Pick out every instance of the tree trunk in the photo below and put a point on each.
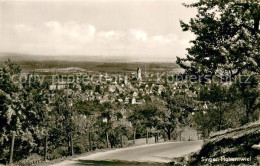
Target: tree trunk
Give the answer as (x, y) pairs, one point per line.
(146, 136)
(220, 121)
(247, 115)
(121, 141)
(89, 141)
(71, 148)
(134, 136)
(68, 145)
(107, 140)
(45, 147)
(169, 134)
(12, 148)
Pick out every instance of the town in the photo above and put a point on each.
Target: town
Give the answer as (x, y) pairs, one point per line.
(149, 82)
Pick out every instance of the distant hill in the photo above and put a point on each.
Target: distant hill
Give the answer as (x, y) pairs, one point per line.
(78, 58)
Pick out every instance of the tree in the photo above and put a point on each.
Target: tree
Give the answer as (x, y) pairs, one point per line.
(37, 111)
(134, 117)
(245, 90)
(145, 118)
(23, 111)
(178, 108)
(12, 114)
(227, 38)
(218, 99)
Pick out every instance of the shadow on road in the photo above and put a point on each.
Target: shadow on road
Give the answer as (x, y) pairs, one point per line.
(119, 163)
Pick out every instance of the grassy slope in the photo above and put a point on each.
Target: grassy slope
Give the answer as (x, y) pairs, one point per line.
(230, 143)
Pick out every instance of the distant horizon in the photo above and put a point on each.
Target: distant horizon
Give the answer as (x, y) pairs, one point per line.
(14, 56)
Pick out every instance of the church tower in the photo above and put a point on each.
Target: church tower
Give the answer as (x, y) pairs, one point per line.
(139, 74)
(125, 79)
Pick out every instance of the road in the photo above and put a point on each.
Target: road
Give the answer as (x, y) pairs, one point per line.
(157, 153)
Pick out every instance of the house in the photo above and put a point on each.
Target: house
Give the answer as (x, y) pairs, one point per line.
(135, 94)
(112, 88)
(120, 100)
(126, 100)
(57, 86)
(133, 101)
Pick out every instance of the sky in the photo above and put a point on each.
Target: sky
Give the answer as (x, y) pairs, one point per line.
(133, 28)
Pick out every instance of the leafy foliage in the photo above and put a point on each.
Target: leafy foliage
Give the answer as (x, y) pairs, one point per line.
(227, 38)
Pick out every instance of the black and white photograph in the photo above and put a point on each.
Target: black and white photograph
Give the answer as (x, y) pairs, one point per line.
(129, 82)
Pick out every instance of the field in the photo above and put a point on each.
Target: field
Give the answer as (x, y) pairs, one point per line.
(30, 63)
